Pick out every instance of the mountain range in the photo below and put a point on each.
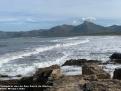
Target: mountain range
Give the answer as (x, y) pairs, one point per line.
(86, 28)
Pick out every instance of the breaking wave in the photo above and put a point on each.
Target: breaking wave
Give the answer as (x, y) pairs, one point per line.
(17, 55)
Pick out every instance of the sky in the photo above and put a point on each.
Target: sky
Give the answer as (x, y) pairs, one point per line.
(24, 15)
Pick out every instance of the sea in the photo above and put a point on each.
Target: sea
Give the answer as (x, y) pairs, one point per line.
(23, 56)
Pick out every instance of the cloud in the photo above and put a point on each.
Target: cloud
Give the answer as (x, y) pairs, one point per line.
(74, 22)
(7, 19)
(89, 19)
(30, 20)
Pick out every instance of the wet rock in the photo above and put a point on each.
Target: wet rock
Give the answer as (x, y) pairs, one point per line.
(79, 62)
(26, 81)
(18, 76)
(4, 76)
(116, 61)
(90, 69)
(115, 57)
(9, 82)
(117, 74)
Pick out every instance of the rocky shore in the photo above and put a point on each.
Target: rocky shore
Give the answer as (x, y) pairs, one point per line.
(93, 77)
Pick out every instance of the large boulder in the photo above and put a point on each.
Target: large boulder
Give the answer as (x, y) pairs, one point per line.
(56, 74)
(79, 62)
(94, 69)
(2, 76)
(42, 74)
(117, 74)
(46, 71)
(116, 57)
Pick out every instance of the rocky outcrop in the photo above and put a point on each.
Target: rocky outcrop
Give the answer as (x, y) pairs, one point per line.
(93, 78)
(115, 57)
(94, 69)
(56, 74)
(117, 74)
(4, 76)
(79, 62)
(103, 85)
(43, 76)
(91, 73)
(9, 82)
(68, 83)
(26, 81)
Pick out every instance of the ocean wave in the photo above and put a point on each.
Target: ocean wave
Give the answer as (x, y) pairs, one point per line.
(58, 61)
(65, 39)
(72, 38)
(17, 55)
(109, 37)
(18, 70)
(26, 70)
(110, 68)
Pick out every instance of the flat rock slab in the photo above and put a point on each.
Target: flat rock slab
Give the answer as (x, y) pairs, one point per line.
(68, 83)
(80, 62)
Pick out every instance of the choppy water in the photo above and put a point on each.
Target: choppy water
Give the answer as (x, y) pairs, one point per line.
(25, 55)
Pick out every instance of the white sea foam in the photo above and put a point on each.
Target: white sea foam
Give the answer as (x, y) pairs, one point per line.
(109, 37)
(13, 56)
(18, 70)
(71, 70)
(29, 70)
(58, 61)
(65, 39)
(73, 38)
(100, 48)
(111, 67)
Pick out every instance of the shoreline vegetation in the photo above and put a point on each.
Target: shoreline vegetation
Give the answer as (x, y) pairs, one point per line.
(93, 78)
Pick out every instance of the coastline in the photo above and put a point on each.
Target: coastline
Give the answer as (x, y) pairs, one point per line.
(92, 76)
